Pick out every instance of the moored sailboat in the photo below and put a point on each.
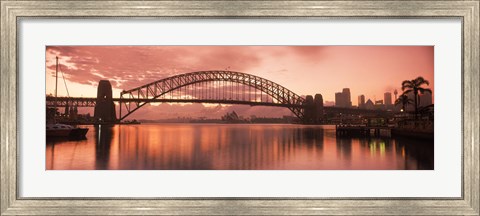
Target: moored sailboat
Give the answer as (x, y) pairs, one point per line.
(63, 130)
(55, 129)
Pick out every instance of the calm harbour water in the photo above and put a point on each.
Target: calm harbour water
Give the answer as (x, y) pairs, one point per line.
(233, 147)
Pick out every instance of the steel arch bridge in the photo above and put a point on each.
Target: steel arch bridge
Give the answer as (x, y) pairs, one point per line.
(219, 86)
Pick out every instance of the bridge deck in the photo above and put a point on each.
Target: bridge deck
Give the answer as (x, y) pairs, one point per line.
(90, 102)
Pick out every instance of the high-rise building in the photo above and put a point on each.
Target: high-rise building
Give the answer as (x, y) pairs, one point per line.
(410, 107)
(361, 101)
(343, 99)
(347, 97)
(387, 98)
(425, 99)
(339, 102)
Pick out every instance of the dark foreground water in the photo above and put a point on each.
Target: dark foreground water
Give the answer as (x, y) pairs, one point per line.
(233, 147)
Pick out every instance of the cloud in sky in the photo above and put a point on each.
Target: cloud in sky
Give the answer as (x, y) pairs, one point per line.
(129, 67)
(368, 70)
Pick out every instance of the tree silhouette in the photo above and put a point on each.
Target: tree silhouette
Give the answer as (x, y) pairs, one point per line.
(415, 86)
(404, 100)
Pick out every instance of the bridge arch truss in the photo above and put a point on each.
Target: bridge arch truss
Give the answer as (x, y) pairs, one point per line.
(191, 85)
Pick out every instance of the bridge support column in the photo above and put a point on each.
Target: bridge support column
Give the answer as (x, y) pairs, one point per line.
(104, 107)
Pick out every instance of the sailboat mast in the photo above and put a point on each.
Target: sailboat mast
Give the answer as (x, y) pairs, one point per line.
(56, 85)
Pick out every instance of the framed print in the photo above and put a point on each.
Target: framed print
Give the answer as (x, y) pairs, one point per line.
(245, 107)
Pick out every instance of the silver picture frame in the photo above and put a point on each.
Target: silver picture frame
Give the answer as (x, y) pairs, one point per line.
(13, 204)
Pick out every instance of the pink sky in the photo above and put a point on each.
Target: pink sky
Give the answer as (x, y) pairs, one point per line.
(368, 70)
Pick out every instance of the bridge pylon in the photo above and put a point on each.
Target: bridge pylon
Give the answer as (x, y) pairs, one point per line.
(319, 114)
(104, 106)
(313, 109)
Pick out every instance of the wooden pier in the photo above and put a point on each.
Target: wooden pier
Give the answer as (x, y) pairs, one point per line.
(362, 131)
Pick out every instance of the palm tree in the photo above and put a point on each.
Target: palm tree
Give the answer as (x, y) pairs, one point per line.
(415, 86)
(404, 100)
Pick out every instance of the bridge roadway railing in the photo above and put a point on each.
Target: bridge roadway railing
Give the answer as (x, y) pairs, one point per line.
(71, 101)
(90, 102)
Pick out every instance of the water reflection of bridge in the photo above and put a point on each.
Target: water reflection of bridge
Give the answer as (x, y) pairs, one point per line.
(235, 147)
(218, 87)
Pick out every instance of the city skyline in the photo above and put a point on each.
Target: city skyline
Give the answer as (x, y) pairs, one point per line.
(343, 100)
(306, 70)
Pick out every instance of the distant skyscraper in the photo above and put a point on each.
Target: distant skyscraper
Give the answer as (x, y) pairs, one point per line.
(425, 99)
(343, 99)
(387, 98)
(346, 95)
(361, 101)
(339, 102)
(411, 107)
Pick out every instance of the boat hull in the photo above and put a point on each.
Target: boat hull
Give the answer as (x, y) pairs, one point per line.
(58, 133)
(65, 131)
(78, 132)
